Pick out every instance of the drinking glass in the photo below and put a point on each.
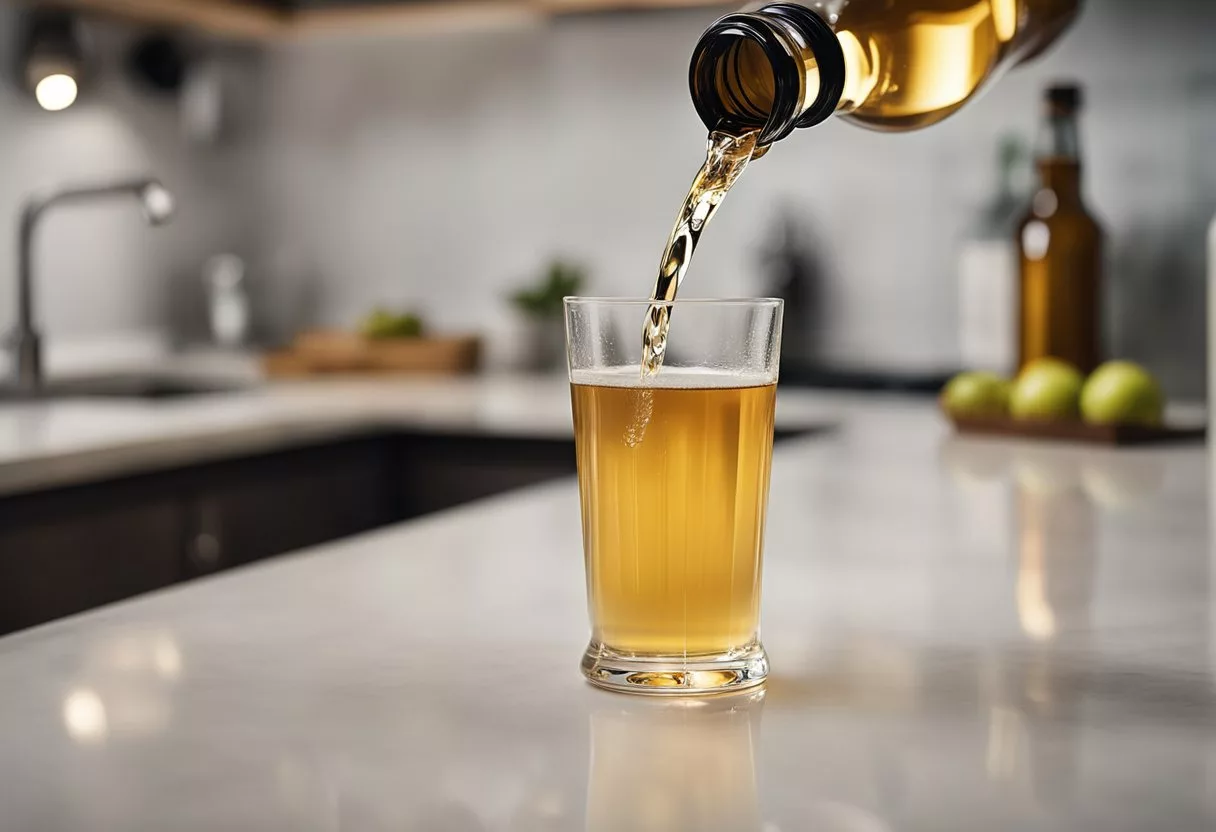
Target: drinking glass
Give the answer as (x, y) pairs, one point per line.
(673, 472)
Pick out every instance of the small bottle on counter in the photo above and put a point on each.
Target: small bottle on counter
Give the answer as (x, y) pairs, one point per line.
(1060, 246)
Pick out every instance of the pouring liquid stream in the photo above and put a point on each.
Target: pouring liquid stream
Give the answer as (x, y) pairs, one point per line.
(726, 157)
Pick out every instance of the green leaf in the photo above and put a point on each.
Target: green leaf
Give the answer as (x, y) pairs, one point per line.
(544, 299)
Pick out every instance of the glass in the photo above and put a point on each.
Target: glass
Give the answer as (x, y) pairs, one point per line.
(673, 475)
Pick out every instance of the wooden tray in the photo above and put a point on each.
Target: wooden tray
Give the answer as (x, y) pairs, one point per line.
(1074, 430)
(322, 352)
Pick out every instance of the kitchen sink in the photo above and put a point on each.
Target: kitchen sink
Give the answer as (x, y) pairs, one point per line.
(142, 387)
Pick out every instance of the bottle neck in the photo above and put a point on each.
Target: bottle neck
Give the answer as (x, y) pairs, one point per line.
(1058, 136)
(1058, 155)
(769, 70)
(1063, 176)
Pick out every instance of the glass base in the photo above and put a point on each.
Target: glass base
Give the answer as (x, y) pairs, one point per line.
(675, 675)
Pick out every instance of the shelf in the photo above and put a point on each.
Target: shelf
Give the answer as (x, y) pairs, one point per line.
(266, 20)
(222, 18)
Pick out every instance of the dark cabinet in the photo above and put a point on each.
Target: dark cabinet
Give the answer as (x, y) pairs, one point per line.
(70, 549)
(60, 555)
(251, 509)
(437, 472)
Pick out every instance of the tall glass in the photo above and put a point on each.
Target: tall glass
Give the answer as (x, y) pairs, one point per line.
(673, 474)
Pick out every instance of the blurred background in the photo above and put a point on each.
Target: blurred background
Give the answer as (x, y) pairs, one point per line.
(440, 161)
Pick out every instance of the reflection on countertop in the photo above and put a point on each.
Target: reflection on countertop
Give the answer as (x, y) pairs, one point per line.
(675, 765)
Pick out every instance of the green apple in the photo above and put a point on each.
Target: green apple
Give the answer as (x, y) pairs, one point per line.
(976, 394)
(1047, 388)
(1122, 393)
(382, 323)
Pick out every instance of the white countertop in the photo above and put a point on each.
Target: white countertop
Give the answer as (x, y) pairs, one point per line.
(964, 634)
(61, 442)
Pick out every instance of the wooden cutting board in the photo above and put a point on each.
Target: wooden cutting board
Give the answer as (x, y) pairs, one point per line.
(1074, 430)
(325, 352)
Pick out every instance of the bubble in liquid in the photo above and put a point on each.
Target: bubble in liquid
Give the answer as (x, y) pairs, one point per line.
(643, 410)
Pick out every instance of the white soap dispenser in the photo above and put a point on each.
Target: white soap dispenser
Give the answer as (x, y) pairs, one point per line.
(224, 276)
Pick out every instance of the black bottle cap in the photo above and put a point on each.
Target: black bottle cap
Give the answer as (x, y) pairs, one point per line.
(828, 54)
(770, 29)
(1065, 96)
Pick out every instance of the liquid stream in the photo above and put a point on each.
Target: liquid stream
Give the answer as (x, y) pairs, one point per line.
(726, 157)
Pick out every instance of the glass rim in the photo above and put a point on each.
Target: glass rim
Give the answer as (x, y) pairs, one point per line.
(576, 300)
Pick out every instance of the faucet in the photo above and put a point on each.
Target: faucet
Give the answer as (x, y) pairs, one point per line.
(25, 341)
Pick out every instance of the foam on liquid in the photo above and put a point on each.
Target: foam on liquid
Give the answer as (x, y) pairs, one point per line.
(672, 378)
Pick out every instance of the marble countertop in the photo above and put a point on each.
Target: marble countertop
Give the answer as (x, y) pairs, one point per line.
(964, 634)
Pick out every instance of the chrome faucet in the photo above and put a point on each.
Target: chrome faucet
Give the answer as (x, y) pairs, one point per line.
(25, 340)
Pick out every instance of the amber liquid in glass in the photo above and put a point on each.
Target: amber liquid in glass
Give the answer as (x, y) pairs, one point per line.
(674, 483)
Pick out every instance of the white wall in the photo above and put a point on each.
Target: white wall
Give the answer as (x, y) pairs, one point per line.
(441, 171)
(99, 268)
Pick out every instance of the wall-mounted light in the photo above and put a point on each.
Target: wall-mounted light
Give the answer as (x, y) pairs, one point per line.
(51, 59)
(57, 91)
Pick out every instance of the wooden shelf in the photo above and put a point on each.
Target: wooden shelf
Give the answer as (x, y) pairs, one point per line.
(411, 17)
(223, 18)
(262, 21)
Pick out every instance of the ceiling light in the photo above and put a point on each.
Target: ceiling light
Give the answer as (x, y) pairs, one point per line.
(56, 92)
(52, 60)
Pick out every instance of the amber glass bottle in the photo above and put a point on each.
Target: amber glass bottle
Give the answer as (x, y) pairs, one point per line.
(1060, 247)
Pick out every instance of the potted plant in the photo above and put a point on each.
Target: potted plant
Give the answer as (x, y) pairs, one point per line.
(541, 306)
